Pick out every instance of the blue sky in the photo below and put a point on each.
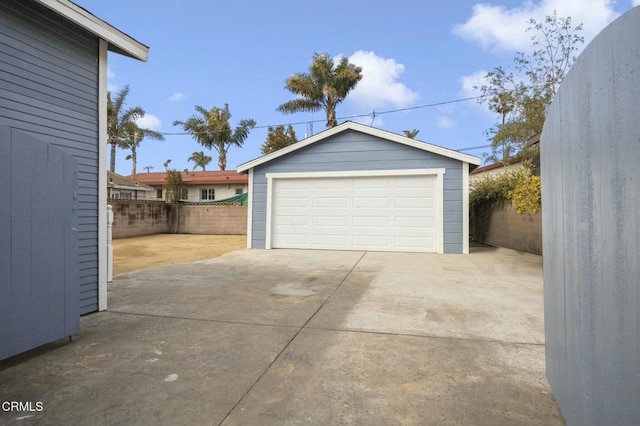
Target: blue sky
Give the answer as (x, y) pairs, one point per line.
(413, 53)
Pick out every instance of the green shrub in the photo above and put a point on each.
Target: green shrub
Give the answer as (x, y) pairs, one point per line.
(519, 187)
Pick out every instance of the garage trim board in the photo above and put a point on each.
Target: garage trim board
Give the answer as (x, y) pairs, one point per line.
(416, 228)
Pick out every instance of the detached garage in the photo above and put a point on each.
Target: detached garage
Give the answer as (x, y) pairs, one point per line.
(355, 187)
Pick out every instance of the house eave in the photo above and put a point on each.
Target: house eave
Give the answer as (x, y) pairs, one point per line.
(118, 41)
(350, 125)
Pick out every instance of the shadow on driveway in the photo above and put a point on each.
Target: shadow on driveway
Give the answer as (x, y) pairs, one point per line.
(303, 337)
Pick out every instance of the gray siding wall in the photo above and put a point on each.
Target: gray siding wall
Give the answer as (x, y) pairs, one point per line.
(351, 150)
(591, 196)
(49, 88)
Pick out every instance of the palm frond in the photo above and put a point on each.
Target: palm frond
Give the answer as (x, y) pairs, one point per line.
(300, 105)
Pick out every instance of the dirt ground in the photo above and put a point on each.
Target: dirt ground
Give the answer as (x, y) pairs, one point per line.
(130, 254)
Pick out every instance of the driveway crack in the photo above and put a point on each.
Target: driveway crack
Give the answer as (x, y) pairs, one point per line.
(277, 357)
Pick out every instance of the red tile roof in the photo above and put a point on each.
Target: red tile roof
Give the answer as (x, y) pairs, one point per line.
(497, 165)
(216, 177)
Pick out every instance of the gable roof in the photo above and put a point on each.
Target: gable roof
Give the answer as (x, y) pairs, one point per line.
(350, 125)
(118, 41)
(215, 177)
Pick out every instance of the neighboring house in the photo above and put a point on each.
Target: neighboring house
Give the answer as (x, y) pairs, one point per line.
(199, 186)
(53, 99)
(125, 188)
(354, 187)
(532, 147)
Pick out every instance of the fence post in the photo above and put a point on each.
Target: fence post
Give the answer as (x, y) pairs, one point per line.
(109, 245)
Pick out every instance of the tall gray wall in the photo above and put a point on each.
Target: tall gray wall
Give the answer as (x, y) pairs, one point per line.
(352, 150)
(49, 89)
(590, 156)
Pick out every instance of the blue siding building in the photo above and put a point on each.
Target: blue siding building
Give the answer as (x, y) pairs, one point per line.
(52, 168)
(354, 187)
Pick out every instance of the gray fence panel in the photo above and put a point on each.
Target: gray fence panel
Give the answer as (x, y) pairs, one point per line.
(39, 261)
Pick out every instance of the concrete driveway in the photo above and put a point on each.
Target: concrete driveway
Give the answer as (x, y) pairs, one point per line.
(293, 337)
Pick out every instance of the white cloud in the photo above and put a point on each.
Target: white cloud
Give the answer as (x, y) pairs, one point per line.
(445, 122)
(635, 3)
(503, 29)
(379, 85)
(149, 121)
(111, 86)
(176, 96)
(468, 83)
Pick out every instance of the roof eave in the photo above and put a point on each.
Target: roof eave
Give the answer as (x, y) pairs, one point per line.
(349, 125)
(118, 41)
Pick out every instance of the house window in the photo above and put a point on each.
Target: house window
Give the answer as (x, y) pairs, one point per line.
(159, 193)
(208, 194)
(184, 194)
(239, 191)
(125, 195)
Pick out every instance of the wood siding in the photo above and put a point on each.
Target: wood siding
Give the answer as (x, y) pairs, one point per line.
(351, 151)
(39, 300)
(49, 88)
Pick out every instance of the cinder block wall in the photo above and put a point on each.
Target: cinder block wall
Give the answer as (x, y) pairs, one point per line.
(212, 219)
(516, 231)
(134, 218)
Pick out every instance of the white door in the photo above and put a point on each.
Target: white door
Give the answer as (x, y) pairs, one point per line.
(378, 213)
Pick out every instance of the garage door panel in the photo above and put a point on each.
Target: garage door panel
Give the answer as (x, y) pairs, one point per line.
(386, 213)
(414, 201)
(330, 240)
(409, 243)
(371, 242)
(329, 183)
(293, 202)
(330, 230)
(291, 220)
(414, 222)
(369, 202)
(292, 240)
(294, 184)
(371, 221)
(330, 220)
(330, 202)
(372, 183)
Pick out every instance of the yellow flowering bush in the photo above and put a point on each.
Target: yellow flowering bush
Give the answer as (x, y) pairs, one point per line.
(518, 186)
(526, 195)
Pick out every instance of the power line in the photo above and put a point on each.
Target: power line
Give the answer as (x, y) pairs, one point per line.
(471, 148)
(372, 114)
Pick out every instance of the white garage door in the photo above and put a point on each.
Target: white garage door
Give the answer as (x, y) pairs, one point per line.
(380, 213)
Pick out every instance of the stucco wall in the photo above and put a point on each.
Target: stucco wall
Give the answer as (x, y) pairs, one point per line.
(507, 228)
(591, 232)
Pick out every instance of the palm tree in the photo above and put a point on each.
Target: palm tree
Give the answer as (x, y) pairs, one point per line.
(211, 129)
(118, 118)
(323, 87)
(200, 160)
(411, 134)
(132, 136)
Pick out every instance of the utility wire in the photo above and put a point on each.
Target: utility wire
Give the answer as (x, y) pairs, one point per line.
(372, 114)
